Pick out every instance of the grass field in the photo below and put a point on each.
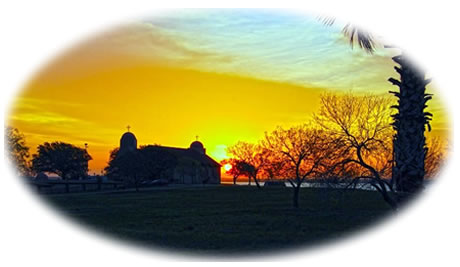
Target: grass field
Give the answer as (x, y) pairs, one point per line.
(225, 219)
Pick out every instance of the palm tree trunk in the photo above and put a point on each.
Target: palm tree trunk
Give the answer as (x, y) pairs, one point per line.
(409, 123)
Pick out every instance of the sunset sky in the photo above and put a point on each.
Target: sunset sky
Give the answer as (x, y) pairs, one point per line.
(224, 75)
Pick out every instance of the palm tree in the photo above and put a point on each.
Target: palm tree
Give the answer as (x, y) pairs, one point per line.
(411, 119)
(410, 123)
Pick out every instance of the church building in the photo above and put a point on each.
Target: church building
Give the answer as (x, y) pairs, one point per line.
(193, 166)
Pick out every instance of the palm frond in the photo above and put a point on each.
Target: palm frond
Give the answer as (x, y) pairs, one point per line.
(326, 20)
(363, 38)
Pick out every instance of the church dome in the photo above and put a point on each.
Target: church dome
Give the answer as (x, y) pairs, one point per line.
(128, 142)
(128, 136)
(197, 146)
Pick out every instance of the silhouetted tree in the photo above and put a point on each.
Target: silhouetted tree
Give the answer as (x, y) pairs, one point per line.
(237, 169)
(363, 124)
(114, 153)
(277, 166)
(410, 123)
(65, 160)
(143, 164)
(111, 169)
(127, 167)
(17, 151)
(437, 150)
(253, 158)
(304, 147)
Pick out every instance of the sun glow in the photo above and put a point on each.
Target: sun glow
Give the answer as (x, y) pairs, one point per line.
(227, 167)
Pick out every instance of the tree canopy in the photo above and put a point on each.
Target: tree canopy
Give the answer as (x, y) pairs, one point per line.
(63, 159)
(304, 149)
(250, 159)
(363, 123)
(146, 163)
(17, 151)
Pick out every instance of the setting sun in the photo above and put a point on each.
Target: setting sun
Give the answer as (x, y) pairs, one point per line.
(227, 167)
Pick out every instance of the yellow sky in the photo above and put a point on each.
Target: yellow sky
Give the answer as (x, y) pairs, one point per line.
(163, 105)
(169, 91)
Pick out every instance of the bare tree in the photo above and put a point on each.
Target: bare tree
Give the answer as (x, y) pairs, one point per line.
(411, 120)
(437, 152)
(238, 168)
(252, 157)
(304, 147)
(277, 166)
(363, 124)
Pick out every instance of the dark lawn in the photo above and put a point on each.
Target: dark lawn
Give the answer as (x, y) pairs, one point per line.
(225, 219)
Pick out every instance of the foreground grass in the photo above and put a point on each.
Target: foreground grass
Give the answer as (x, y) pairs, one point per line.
(225, 219)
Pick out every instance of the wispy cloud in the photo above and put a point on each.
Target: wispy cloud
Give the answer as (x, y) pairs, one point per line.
(276, 46)
(35, 119)
(31, 103)
(149, 41)
(43, 117)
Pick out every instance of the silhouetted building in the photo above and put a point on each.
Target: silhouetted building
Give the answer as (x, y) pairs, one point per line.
(193, 165)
